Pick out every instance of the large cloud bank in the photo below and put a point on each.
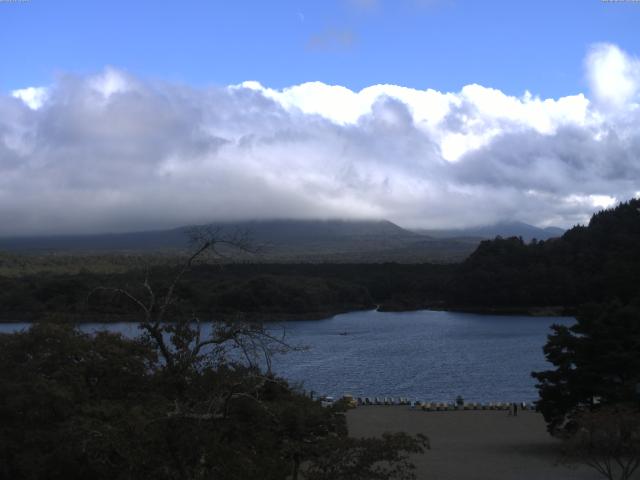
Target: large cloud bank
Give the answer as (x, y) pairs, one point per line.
(111, 152)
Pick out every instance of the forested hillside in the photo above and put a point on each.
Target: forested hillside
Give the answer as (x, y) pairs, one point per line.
(588, 263)
(591, 263)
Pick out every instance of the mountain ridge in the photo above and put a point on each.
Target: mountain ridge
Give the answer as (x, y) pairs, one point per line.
(281, 240)
(500, 229)
(272, 231)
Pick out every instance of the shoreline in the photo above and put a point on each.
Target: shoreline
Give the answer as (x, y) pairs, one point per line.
(533, 311)
(550, 311)
(134, 318)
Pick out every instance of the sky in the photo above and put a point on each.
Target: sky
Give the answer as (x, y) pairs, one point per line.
(120, 116)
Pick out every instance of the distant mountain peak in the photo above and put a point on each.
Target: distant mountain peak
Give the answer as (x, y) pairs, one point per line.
(504, 228)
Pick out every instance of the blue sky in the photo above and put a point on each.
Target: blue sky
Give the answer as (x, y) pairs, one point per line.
(442, 44)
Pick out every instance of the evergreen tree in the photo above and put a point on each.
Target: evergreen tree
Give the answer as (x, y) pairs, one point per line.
(597, 363)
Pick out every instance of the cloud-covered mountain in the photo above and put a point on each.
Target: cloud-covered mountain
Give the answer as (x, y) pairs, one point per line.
(275, 235)
(273, 240)
(112, 152)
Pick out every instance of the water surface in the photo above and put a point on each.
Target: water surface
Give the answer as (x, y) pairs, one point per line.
(423, 355)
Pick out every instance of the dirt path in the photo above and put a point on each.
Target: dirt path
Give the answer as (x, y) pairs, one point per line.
(473, 445)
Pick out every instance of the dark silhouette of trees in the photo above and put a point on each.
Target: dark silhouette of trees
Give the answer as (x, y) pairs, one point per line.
(597, 362)
(592, 397)
(607, 440)
(596, 263)
(172, 403)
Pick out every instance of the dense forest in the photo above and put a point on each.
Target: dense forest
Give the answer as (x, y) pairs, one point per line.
(272, 290)
(592, 263)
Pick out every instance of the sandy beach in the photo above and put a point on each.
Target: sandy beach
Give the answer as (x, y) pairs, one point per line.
(473, 445)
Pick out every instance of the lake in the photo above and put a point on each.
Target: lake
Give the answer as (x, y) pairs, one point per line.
(423, 355)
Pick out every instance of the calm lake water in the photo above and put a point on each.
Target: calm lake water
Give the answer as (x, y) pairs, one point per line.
(423, 355)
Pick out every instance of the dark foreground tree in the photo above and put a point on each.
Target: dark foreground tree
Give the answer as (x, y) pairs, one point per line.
(74, 405)
(366, 459)
(607, 440)
(172, 404)
(597, 362)
(592, 397)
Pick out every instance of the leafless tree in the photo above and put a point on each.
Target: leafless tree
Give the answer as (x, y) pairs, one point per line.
(179, 341)
(607, 440)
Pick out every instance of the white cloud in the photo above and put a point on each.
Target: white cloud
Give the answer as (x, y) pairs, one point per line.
(614, 75)
(110, 82)
(34, 97)
(480, 113)
(113, 152)
(602, 201)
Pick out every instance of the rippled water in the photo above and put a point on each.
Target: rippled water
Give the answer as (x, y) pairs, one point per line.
(423, 355)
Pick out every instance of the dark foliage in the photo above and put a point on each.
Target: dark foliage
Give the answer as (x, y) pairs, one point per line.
(295, 290)
(77, 406)
(608, 440)
(597, 363)
(366, 459)
(596, 263)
